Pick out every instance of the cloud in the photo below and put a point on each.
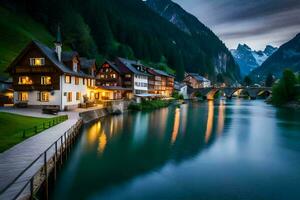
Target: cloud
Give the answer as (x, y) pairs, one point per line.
(239, 21)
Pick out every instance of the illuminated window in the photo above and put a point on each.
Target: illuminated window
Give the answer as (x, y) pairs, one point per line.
(102, 76)
(78, 95)
(128, 75)
(46, 80)
(37, 61)
(83, 81)
(114, 76)
(25, 80)
(68, 79)
(43, 96)
(69, 97)
(97, 95)
(76, 81)
(23, 96)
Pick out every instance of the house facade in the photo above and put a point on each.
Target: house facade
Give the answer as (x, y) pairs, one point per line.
(116, 82)
(127, 79)
(160, 82)
(136, 75)
(196, 81)
(43, 76)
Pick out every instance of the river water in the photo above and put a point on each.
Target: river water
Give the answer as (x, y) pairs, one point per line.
(227, 149)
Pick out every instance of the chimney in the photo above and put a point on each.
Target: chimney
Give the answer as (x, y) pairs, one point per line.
(58, 44)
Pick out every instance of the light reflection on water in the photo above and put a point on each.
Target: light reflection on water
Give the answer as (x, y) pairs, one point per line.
(246, 149)
(176, 125)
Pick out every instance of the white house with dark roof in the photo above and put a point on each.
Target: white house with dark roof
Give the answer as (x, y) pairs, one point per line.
(138, 72)
(44, 77)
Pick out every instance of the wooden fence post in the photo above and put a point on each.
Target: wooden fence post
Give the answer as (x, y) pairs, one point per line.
(46, 175)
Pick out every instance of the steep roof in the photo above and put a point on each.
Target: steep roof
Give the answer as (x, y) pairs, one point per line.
(51, 55)
(130, 64)
(86, 63)
(68, 55)
(198, 77)
(163, 73)
(114, 66)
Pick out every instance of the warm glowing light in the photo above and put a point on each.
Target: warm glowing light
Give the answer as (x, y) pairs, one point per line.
(176, 125)
(38, 62)
(25, 80)
(93, 132)
(221, 117)
(102, 142)
(210, 121)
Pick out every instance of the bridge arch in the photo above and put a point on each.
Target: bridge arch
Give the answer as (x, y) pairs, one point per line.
(255, 92)
(210, 93)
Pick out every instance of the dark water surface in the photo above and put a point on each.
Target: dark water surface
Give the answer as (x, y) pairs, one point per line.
(231, 150)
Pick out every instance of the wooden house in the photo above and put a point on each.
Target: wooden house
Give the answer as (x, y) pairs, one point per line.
(196, 81)
(43, 76)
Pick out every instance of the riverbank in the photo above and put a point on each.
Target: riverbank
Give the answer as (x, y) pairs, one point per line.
(292, 105)
(150, 105)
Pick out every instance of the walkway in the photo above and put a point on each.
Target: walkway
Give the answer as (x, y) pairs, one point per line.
(16, 159)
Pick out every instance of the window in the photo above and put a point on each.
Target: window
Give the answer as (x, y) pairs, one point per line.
(89, 82)
(23, 96)
(69, 97)
(75, 66)
(45, 80)
(128, 75)
(76, 81)
(97, 95)
(114, 76)
(83, 81)
(37, 61)
(43, 96)
(68, 79)
(78, 95)
(102, 76)
(25, 80)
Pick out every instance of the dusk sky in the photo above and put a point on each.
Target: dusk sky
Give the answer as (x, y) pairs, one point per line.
(254, 22)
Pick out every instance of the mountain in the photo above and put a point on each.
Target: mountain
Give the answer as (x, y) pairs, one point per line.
(222, 60)
(108, 28)
(287, 56)
(16, 31)
(249, 59)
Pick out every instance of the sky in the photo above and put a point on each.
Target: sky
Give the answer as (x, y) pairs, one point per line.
(256, 23)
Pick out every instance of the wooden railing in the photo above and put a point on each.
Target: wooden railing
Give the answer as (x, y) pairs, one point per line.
(43, 126)
(43, 164)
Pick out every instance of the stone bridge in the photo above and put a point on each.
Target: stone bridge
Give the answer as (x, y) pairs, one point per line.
(253, 92)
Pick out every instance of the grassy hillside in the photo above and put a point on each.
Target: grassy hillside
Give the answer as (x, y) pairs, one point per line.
(16, 31)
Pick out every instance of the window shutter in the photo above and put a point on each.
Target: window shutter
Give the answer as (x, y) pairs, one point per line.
(39, 96)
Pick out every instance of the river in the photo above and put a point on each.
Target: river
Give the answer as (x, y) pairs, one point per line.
(227, 149)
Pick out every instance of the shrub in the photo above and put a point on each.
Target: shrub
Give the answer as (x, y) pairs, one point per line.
(149, 105)
(284, 91)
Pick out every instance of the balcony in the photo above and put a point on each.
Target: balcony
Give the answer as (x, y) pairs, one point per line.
(34, 70)
(33, 87)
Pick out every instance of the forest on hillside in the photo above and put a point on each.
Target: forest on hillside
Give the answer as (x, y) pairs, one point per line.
(109, 28)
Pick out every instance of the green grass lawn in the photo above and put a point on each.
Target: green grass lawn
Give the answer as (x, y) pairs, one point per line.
(11, 127)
